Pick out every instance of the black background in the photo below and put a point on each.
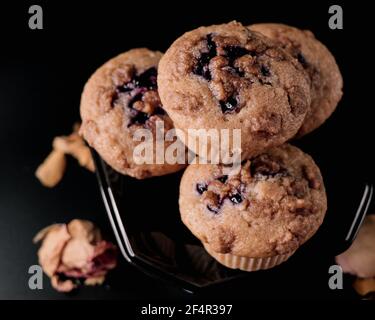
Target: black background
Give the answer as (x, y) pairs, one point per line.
(42, 73)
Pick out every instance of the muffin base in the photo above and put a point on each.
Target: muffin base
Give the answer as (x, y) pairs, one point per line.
(248, 264)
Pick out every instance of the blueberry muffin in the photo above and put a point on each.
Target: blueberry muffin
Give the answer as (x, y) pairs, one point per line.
(258, 217)
(120, 98)
(228, 77)
(321, 68)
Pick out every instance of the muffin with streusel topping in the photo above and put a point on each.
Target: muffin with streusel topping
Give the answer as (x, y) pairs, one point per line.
(120, 101)
(229, 77)
(258, 217)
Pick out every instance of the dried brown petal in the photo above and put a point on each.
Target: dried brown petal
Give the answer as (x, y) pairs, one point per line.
(364, 286)
(83, 155)
(75, 146)
(359, 259)
(51, 171)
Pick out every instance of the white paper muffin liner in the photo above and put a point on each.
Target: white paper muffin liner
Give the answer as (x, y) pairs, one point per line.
(246, 263)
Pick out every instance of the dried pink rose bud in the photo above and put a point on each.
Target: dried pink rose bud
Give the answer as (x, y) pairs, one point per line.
(74, 252)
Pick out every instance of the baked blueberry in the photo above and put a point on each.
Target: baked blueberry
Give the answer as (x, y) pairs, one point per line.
(201, 67)
(133, 93)
(229, 105)
(201, 187)
(223, 178)
(235, 198)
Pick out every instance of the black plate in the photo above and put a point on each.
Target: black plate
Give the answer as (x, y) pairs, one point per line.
(152, 237)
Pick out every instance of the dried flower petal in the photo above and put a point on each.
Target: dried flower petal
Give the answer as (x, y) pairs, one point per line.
(42, 233)
(62, 285)
(84, 229)
(76, 148)
(359, 259)
(51, 171)
(75, 251)
(364, 286)
(76, 254)
(52, 248)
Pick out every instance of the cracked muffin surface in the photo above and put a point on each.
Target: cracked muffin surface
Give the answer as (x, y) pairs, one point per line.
(275, 203)
(228, 77)
(120, 98)
(323, 73)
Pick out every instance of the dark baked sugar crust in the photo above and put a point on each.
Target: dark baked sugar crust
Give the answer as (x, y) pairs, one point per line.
(272, 206)
(226, 76)
(320, 66)
(119, 98)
